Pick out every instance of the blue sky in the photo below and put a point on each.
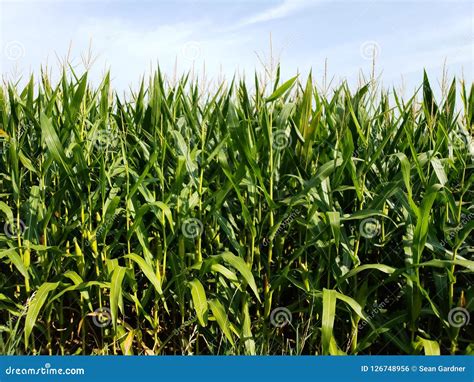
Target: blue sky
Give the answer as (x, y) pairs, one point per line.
(228, 37)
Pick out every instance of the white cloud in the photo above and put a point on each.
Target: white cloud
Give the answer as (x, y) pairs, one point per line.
(284, 9)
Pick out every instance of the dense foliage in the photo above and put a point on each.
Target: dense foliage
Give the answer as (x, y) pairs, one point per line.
(276, 220)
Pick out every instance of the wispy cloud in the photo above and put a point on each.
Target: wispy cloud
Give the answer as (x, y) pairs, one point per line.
(284, 9)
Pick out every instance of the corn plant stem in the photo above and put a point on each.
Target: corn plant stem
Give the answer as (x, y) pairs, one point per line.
(452, 281)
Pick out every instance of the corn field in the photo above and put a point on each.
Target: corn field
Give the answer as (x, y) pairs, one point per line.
(257, 218)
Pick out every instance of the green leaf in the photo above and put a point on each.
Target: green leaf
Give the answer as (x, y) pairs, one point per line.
(35, 307)
(78, 96)
(199, 301)
(380, 267)
(77, 280)
(439, 170)
(116, 292)
(226, 272)
(7, 211)
(329, 313)
(246, 329)
(282, 89)
(221, 317)
(464, 233)
(422, 224)
(335, 223)
(430, 347)
(147, 271)
(355, 306)
(16, 261)
(239, 264)
(54, 145)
